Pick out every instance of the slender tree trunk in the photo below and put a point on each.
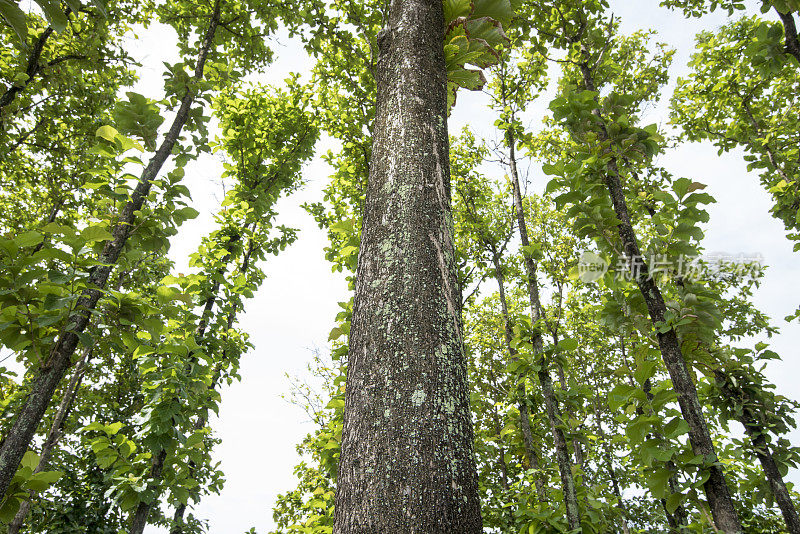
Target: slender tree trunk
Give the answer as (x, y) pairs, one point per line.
(716, 488)
(501, 456)
(524, 412)
(407, 461)
(790, 32)
(757, 435)
(31, 68)
(53, 436)
(679, 519)
(545, 380)
(202, 420)
(142, 513)
(612, 472)
(55, 367)
(562, 380)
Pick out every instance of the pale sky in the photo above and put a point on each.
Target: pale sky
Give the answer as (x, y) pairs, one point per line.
(295, 309)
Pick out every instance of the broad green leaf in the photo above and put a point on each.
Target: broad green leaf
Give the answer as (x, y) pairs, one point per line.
(499, 10)
(568, 345)
(15, 18)
(30, 460)
(55, 15)
(472, 80)
(109, 133)
(95, 233)
(454, 9)
(28, 239)
(673, 501)
(185, 214)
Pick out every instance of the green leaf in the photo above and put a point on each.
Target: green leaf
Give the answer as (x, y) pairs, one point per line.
(21, 78)
(645, 371)
(140, 117)
(15, 18)
(9, 509)
(487, 30)
(499, 10)
(568, 344)
(195, 439)
(454, 9)
(109, 133)
(28, 239)
(113, 428)
(335, 403)
(30, 460)
(673, 501)
(101, 6)
(55, 15)
(96, 233)
(41, 481)
(472, 80)
(185, 214)
(658, 482)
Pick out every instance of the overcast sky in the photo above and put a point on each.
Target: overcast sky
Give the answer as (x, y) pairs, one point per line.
(294, 311)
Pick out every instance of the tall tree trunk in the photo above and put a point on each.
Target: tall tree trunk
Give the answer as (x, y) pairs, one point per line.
(524, 412)
(142, 513)
(606, 453)
(676, 521)
(716, 488)
(407, 462)
(55, 433)
(562, 380)
(202, 420)
(790, 32)
(545, 380)
(757, 435)
(60, 358)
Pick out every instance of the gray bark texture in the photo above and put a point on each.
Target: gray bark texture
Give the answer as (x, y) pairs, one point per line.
(545, 380)
(758, 437)
(790, 33)
(53, 436)
(524, 412)
(59, 360)
(716, 489)
(407, 462)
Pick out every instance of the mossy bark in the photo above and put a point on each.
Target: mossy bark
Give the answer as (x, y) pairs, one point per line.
(407, 462)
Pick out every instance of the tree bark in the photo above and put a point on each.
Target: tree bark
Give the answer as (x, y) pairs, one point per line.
(55, 433)
(31, 68)
(576, 445)
(60, 358)
(407, 462)
(757, 435)
(142, 513)
(524, 413)
(716, 488)
(612, 472)
(545, 380)
(790, 32)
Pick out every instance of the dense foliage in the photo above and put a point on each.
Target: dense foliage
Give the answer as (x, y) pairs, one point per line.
(615, 383)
